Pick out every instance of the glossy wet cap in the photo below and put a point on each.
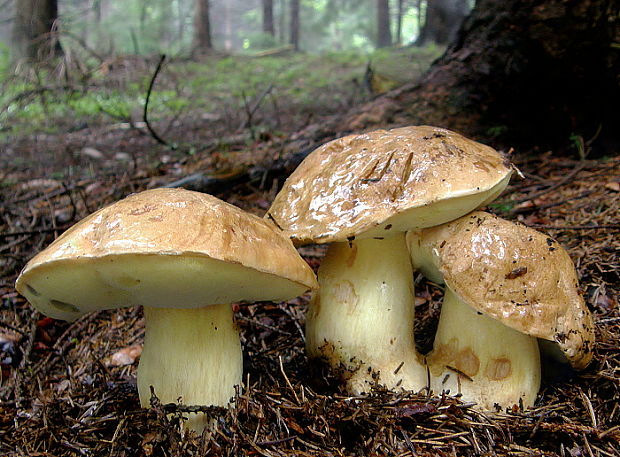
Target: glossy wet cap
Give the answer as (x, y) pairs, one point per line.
(376, 183)
(166, 248)
(512, 273)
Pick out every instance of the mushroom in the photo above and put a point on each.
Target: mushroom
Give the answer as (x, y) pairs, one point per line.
(184, 256)
(361, 193)
(506, 286)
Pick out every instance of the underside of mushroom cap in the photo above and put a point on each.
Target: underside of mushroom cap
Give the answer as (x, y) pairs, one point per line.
(166, 248)
(514, 274)
(387, 181)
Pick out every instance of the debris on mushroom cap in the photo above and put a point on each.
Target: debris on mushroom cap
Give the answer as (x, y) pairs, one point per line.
(129, 252)
(360, 182)
(514, 274)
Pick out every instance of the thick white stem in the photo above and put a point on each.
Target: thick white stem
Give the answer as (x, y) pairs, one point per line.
(361, 319)
(193, 355)
(482, 359)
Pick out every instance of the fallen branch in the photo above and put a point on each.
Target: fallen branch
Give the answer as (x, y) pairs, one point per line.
(153, 133)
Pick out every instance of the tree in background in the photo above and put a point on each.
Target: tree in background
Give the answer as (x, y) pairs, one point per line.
(399, 22)
(294, 37)
(384, 34)
(443, 19)
(268, 26)
(202, 28)
(518, 67)
(33, 29)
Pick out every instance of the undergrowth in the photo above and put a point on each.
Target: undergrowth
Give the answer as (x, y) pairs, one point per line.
(64, 97)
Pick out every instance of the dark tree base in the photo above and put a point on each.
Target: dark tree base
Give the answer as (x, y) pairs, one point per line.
(522, 71)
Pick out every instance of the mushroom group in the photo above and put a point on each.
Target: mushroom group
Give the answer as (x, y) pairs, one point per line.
(507, 287)
(389, 202)
(361, 193)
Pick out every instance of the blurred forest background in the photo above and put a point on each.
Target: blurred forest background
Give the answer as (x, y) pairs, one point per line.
(232, 67)
(179, 27)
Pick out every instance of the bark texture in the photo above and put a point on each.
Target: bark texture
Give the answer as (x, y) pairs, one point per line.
(527, 69)
(202, 28)
(442, 21)
(294, 37)
(33, 27)
(268, 17)
(384, 34)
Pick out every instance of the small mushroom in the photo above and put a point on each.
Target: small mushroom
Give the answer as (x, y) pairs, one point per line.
(184, 256)
(361, 193)
(506, 286)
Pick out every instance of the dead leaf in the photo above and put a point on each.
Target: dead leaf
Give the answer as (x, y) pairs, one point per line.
(92, 153)
(613, 185)
(125, 356)
(525, 204)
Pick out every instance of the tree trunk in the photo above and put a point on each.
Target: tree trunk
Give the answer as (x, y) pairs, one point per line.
(399, 23)
(97, 10)
(228, 28)
(443, 19)
(202, 28)
(34, 29)
(295, 24)
(384, 34)
(519, 73)
(268, 17)
(181, 22)
(165, 24)
(282, 21)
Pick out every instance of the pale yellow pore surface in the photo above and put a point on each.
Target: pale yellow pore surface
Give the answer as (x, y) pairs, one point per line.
(385, 181)
(513, 274)
(164, 248)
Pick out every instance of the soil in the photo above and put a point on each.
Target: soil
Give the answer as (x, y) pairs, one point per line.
(64, 392)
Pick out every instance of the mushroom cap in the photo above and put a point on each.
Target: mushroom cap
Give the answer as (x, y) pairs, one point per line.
(169, 248)
(387, 180)
(512, 273)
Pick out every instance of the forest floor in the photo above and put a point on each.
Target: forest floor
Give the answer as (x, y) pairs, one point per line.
(68, 389)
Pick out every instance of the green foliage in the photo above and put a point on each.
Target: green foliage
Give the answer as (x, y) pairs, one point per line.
(497, 130)
(304, 83)
(579, 144)
(503, 207)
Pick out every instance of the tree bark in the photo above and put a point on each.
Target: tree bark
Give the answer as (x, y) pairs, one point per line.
(399, 23)
(518, 70)
(384, 34)
(295, 24)
(202, 28)
(443, 19)
(268, 17)
(34, 27)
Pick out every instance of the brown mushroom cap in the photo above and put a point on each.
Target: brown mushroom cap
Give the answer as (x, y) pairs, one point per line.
(165, 248)
(387, 181)
(514, 274)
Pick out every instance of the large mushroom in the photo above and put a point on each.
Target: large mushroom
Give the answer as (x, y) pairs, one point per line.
(507, 287)
(184, 256)
(361, 193)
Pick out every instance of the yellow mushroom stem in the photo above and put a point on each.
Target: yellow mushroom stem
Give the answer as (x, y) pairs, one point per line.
(481, 359)
(361, 319)
(192, 355)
